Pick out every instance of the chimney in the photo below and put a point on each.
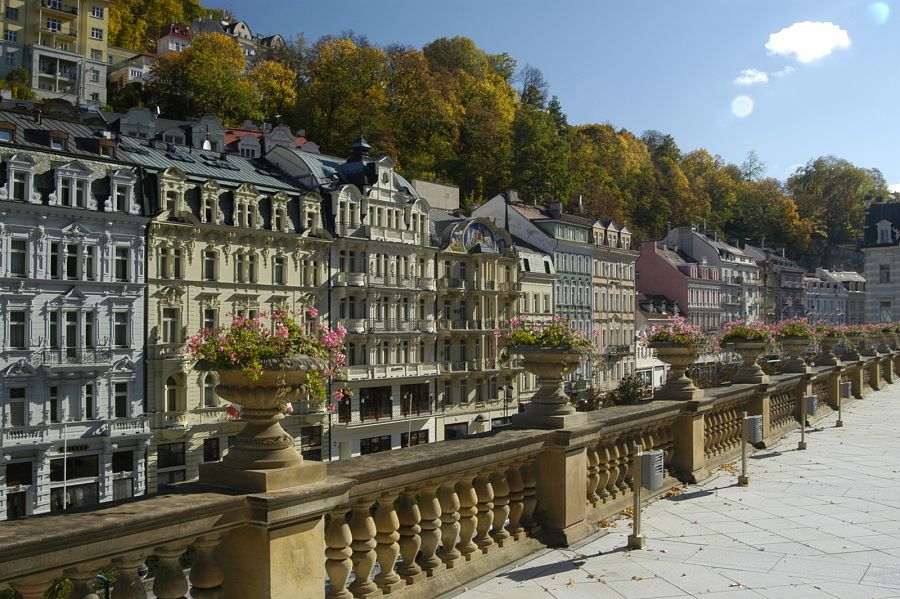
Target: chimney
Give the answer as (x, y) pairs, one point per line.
(38, 116)
(555, 209)
(580, 204)
(360, 149)
(782, 252)
(513, 196)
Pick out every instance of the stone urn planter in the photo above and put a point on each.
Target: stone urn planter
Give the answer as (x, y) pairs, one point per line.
(750, 371)
(826, 356)
(867, 345)
(262, 456)
(679, 358)
(549, 406)
(795, 347)
(894, 341)
(852, 345)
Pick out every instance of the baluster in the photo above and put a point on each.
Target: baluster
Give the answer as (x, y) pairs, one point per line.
(624, 466)
(449, 501)
(206, 576)
(338, 564)
(468, 508)
(362, 528)
(516, 497)
(529, 500)
(128, 584)
(634, 448)
(501, 507)
(169, 581)
(485, 492)
(648, 440)
(593, 477)
(34, 587)
(431, 533)
(82, 577)
(386, 525)
(602, 472)
(612, 488)
(720, 431)
(409, 516)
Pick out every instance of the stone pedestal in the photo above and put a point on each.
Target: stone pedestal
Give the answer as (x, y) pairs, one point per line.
(562, 487)
(826, 355)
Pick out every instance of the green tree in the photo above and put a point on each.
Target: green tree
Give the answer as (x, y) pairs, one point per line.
(276, 86)
(540, 154)
(18, 82)
(208, 77)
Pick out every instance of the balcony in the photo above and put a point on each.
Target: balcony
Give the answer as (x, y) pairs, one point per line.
(256, 544)
(58, 9)
(166, 351)
(426, 284)
(376, 233)
(72, 357)
(352, 279)
(452, 284)
(389, 371)
(24, 435)
(128, 427)
(617, 351)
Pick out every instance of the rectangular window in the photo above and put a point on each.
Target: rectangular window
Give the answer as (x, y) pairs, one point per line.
(96, 33)
(97, 11)
(17, 337)
(12, 13)
(170, 325)
(123, 461)
(121, 268)
(90, 402)
(164, 479)
(884, 273)
(177, 263)
(209, 265)
(120, 397)
(10, 36)
(375, 444)
(17, 411)
(95, 75)
(163, 263)
(18, 257)
(413, 438)
(72, 261)
(121, 190)
(169, 455)
(96, 54)
(251, 268)
(19, 184)
(209, 318)
(89, 263)
(81, 466)
(120, 329)
(278, 271)
(55, 253)
(211, 450)
(54, 25)
(54, 404)
(54, 330)
(89, 340)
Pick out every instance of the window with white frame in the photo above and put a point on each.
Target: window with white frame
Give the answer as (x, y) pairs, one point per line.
(120, 329)
(18, 338)
(96, 33)
(18, 257)
(122, 261)
(121, 400)
(171, 394)
(210, 265)
(209, 391)
(170, 325)
(278, 270)
(18, 406)
(89, 398)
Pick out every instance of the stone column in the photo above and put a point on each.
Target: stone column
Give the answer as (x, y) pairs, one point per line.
(760, 405)
(169, 581)
(529, 495)
(485, 517)
(516, 501)
(430, 509)
(468, 509)
(387, 550)
(338, 564)
(362, 528)
(501, 507)
(450, 528)
(206, 576)
(689, 438)
(410, 541)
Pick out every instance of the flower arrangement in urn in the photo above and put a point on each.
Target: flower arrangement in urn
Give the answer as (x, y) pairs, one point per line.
(793, 327)
(555, 333)
(253, 345)
(739, 331)
(749, 339)
(677, 331)
(795, 336)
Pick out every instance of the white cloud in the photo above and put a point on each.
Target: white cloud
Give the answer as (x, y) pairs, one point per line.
(808, 40)
(895, 188)
(751, 77)
(784, 72)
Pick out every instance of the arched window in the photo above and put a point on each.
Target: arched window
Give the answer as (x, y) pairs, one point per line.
(209, 392)
(171, 396)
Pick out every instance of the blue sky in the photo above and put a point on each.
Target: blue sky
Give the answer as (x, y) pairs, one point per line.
(822, 76)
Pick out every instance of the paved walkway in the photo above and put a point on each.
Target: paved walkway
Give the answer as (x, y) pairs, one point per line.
(824, 522)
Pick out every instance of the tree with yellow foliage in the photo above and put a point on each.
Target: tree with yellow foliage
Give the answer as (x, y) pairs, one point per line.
(276, 86)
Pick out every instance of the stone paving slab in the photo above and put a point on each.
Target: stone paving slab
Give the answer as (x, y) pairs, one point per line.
(824, 522)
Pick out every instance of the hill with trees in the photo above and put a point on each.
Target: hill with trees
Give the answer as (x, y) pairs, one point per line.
(453, 113)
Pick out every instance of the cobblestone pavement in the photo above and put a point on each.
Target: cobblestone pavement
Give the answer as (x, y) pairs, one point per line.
(824, 522)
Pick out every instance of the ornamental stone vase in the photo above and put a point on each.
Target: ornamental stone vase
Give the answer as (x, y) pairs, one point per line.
(826, 356)
(549, 406)
(750, 371)
(795, 347)
(867, 345)
(852, 345)
(262, 456)
(677, 385)
(884, 342)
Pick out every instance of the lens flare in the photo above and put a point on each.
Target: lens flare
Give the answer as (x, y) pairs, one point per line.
(742, 106)
(879, 12)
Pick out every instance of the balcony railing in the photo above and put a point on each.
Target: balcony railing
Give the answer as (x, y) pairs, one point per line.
(73, 356)
(507, 495)
(66, 9)
(617, 350)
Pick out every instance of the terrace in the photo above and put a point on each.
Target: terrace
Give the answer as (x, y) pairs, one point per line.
(431, 519)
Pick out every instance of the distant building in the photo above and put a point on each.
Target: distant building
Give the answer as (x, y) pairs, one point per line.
(62, 44)
(825, 300)
(740, 274)
(174, 37)
(251, 45)
(696, 286)
(438, 195)
(781, 284)
(537, 278)
(652, 310)
(134, 69)
(881, 248)
(855, 285)
(250, 141)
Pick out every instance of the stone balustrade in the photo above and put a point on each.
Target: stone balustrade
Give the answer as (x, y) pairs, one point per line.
(416, 522)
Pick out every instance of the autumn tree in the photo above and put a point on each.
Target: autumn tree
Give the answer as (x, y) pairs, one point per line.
(276, 87)
(137, 24)
(208, 77)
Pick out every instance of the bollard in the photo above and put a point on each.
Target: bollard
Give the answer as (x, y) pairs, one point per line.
(751, 432)
(648, 472)
(809, 409)
(845, 390)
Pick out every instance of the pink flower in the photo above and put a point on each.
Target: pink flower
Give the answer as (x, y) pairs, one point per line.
(288, 409)
(233, 411)
(312, 313)
(233, 357)
(338, 395)
(496, 332)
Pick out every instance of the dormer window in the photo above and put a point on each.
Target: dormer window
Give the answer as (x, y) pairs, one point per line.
(246, 207)
(7, 132)
(73, 187)
(884, 232)
(280, 221)
(121, 198)
(20, 180)
(107, 148)
(71, 192)
(58, 142)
